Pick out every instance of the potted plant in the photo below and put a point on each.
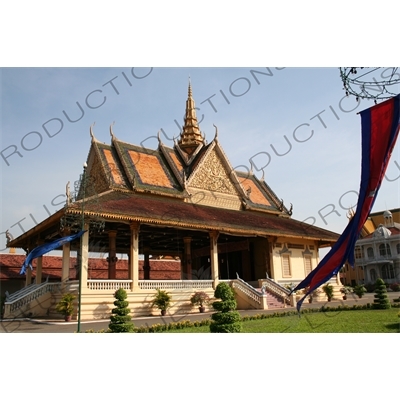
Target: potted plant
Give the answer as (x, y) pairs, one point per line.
(328, 290)
(200, 299)
(360, 290)
(162, 300)
(313, 294)
(345, 290)
(310, 296)
(66, 306)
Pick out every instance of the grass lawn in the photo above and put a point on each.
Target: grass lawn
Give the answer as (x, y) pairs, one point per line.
(359, 321)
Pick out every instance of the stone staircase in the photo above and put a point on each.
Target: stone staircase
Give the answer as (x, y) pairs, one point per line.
(271, 296)
(273, 301)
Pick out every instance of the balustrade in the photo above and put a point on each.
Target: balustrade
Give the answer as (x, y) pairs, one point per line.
(110, 284)
(35, 293)
(172, 284)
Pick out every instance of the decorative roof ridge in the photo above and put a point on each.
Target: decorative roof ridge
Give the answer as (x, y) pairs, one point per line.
(135, 147)
(162, 193)
(116, 143)
(279, 204)
(188, 159)
(180, 177)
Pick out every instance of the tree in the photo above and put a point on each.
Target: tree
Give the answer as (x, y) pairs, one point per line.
(121, 320)
(225, 320)
(381, 300)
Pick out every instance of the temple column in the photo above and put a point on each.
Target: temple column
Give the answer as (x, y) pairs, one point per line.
(187, 258)
(214, 258)
(66, 253)
(39, 267)
(146, 264)
(134, 256)
(112, 255)
(28, 276)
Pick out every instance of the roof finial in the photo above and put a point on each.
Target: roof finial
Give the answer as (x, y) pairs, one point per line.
(111, 131)
(91, 131)
(216, 132)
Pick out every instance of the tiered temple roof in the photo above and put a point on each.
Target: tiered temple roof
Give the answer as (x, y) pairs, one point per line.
(190, 185)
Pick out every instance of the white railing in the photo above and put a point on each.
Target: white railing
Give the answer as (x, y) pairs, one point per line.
(109, 284)
(35, 292)
(276, 289)
(247, 289)
(176, 284)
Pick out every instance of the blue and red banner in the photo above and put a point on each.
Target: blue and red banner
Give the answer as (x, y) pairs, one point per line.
(380, 126)
(47, 247)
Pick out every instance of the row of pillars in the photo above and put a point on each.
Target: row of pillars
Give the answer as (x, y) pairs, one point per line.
(133, 258)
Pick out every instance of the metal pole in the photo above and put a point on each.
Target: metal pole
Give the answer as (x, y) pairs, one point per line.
(81, 248)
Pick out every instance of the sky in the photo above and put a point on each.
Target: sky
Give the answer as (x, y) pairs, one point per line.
(294, 126)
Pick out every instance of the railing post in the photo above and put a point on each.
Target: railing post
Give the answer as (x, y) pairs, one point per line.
(293, 299)
(264, 302)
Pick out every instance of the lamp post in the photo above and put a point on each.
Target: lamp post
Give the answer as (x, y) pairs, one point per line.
(81, 246)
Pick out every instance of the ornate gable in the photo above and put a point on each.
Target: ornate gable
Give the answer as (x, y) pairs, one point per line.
(213, 181)
(104, 171)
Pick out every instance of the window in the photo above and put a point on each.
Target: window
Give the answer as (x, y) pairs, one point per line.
(286, 272)
(370, 253)
(372, 274)
(384, 250)
(357, 252)
(307, 264)
(387, 271)
(398, 248)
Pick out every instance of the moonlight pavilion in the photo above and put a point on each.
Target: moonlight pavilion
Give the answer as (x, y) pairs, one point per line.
(184, 203)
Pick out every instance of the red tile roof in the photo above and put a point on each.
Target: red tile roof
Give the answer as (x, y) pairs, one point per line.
(172, 212)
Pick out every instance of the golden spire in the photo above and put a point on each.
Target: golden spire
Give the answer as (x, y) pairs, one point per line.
(191, 136)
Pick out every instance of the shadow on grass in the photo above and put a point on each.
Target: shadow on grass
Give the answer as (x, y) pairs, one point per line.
(395, 327)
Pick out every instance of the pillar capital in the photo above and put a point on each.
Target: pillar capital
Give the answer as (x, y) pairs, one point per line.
(214, 235)
(187, 239)
(112, 233)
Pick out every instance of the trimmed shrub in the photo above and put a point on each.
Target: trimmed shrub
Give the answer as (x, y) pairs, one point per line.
(381, 300)
(121, 320)
(226, 320)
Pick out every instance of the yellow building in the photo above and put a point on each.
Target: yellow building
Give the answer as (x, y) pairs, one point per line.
(184, 202)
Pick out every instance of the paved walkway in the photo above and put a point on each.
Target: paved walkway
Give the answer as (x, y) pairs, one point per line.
(43, 325)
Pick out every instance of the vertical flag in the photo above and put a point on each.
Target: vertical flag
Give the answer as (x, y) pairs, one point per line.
(45, 248)
(380, 126)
